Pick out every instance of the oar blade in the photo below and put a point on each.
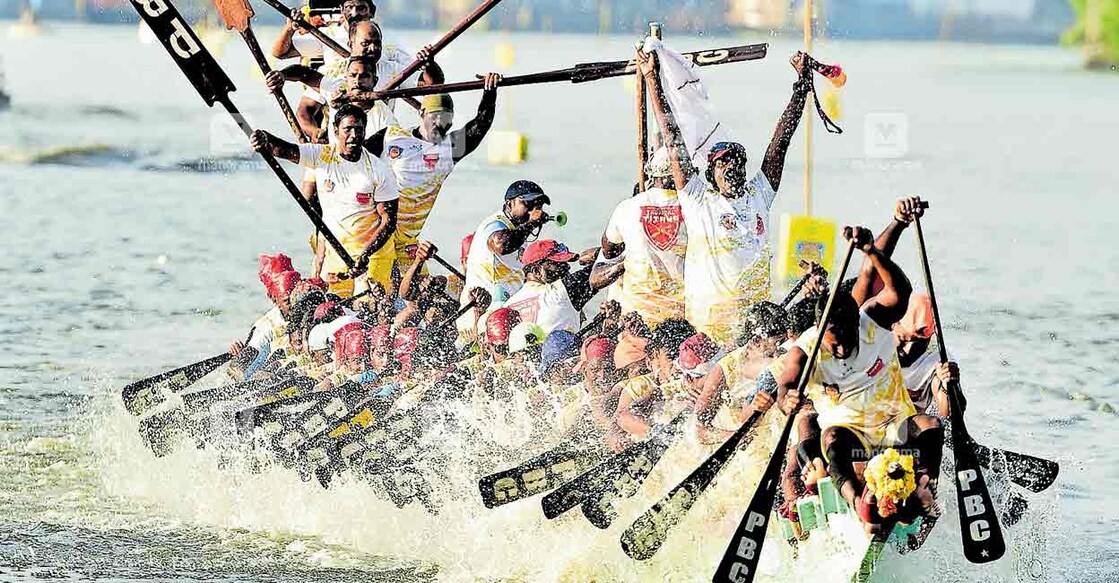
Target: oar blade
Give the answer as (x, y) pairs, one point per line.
(598, 507)
(980, 530)
(234, 13)
(1033, 473)
(145, 394)
(536, 476)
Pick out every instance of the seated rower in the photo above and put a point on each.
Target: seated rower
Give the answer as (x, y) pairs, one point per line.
(642, 398)
(249, 356)
(857, 387)
(926, 378)
(552, 296)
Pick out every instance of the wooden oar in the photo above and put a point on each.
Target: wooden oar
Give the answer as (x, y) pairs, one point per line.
(466, 22)
(213, 85)
(236, 15)
(454, 271)
(307, 26)
(979, 522)
(740, 561)
(142, 395)
(585, 72)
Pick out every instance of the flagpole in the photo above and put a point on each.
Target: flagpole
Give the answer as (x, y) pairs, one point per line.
(808, 115)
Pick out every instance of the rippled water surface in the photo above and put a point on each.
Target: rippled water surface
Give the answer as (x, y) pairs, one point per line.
(135, 252)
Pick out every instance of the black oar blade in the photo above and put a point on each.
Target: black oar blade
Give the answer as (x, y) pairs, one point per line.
(646, 535)
(740, 561)
(979, 522)
(573, 493)
(143, 395)
(1033, 473)
(536, 476)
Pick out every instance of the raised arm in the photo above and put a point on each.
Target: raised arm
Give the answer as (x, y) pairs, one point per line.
(467, 139)
(773, 165)
(309, 115)
(904, 212)
(424, 252)
(888, 305)
(263, 141)
(682, 169)
(283, 47)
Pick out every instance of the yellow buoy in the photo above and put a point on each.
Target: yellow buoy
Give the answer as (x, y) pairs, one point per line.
(807, 238)
(504, 55)
(831, 104)
(507, 148)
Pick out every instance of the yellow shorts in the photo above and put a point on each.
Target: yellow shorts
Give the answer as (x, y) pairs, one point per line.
(379, 271)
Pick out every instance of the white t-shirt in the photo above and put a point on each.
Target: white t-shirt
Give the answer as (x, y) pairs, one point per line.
(334, 79)
(501, 275)
(864, 392)
(919, 374)
(651, 226)
(349, 193)
(728, 242)
(545, 304)
(310, 47)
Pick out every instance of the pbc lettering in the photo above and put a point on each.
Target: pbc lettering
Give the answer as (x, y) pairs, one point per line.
(180, 40)
(747, 547)
(978, 529)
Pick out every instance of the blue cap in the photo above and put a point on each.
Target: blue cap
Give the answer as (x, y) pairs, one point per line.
(527, 190)
(559, 345)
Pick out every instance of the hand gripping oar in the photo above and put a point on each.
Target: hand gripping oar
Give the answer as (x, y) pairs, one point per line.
(740, 561)
(307, 26)
(585, 72)
(236, 15)
(979, 522)
(214, 86)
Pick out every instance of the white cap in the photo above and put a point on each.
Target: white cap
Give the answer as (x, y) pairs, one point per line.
(321, 335)
(659, 165)
(524, 335)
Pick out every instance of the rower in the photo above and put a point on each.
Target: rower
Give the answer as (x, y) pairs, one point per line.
(358, 199)
(553, 296)
(647, 231)
(493, 262)
(423, 157)
(727, 214)
(926, 378)
(291, 45)
(857, 387)
(641, 398)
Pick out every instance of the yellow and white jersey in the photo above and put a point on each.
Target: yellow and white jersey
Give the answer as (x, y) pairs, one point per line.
(310, 47)
(500, 275)
(382, 114)
(728, 254)
(651, 226)
(866, 392)
(349, 193)
(420, 168)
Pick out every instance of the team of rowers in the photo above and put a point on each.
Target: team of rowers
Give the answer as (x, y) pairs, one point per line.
(686, 323)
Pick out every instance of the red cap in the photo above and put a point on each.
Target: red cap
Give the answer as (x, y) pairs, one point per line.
(379, 336)
(283, 284)
(697, 355)
(350, 341)
(601, 347)
(404, 346)
(500, 323)
(270, 265)
(465, 249)
(317, 282)
(547, 249)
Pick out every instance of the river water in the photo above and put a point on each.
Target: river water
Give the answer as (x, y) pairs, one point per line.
(136, 253)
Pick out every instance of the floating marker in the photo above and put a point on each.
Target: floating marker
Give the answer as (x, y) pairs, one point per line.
(805, 238)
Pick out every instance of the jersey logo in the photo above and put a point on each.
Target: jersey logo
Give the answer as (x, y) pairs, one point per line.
(875, 368)
(528, 309)
(364, 197)
(760, 226)
(328, 184)
(661, 225)
(729, 221)
(430, 160)
(394, 152)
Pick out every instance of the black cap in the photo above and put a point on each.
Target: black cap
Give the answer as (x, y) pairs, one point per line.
(527, 190)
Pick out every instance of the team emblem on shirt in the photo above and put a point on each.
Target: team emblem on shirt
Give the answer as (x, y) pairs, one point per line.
(875, 368)
(430, 160)
(661, 225)
(528, 309)
(760, 225)
(729, 221)
(328, 184)
(363, 197)
(394, 152)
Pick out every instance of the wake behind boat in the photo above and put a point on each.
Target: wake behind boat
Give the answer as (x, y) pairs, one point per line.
(805, 433)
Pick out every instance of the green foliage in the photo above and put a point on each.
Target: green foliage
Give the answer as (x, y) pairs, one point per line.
(1102, 36)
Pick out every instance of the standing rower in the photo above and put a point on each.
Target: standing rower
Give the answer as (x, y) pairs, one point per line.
(647, 232)
(727, 215)
(358, 197)
(422, 158)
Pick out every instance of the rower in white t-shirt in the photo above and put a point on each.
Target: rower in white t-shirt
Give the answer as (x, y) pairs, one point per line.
(358, 195)
(649, 229)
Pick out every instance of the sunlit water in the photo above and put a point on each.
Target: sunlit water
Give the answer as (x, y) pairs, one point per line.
(121, 262)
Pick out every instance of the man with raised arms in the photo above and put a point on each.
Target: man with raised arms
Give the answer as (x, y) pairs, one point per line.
(358, 195)
(423, 157)
(726, 210)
